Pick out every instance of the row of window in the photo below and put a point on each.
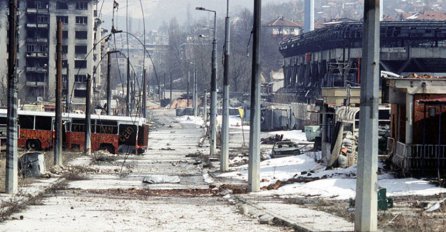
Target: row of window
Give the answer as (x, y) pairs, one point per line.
(77, 125)
(60, 5)
(78, 50)
(79, 19)
(42, 63)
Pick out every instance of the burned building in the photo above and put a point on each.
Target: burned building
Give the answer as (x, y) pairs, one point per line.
(330, 57)
(417, 143)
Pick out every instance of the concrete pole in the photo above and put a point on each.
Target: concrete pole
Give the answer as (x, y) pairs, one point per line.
(127, 107)
(205, 107)
(108, 83)
(366, 185)
(144, 94)
(170, 89)
(67, 95)
(309, 16)
(58, 142)
(254, 132)
(409, 118)
(381, 10)
(164, 86)
(88, 117)
(188, 86)
(213, 120)
(11, 182)
(195, 100)
(224, 165)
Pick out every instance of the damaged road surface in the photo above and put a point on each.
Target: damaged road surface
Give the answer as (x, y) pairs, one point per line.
(162, 190)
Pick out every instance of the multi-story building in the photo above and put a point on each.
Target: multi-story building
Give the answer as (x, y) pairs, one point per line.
(37, 34)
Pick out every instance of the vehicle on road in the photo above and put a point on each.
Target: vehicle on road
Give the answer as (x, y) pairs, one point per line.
(116, 134)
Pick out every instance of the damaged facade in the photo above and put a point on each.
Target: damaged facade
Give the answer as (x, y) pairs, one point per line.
(37, 53)
(417, 144)
(322, 69)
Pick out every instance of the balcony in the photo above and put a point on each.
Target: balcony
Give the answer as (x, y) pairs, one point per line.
(31, 10)
(37, 25)
(37, 54)
(81, 27)
(35, 84)
(36, 69)
(37, 40)
(80, 85)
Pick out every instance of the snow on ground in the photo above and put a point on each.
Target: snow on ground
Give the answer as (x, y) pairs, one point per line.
(335, 184)
(277, 169)
(190, 120)
(343, 188)
(234, 122)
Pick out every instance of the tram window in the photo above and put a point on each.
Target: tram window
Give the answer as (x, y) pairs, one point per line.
(43, 123)
(106, 127)
(3, 121)
(27, 122)
(78, 125)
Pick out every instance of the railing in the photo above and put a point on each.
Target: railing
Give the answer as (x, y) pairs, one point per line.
(420, 160)
(427, 159)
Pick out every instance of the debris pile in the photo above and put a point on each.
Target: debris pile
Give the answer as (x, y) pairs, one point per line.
(272, 139)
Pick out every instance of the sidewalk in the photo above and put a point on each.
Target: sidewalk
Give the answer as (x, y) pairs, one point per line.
(280, 213)
(275, 211)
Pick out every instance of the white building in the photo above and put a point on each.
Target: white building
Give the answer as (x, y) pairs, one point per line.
(37, 34)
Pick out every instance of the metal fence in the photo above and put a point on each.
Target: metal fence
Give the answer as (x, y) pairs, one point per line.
(420, 159)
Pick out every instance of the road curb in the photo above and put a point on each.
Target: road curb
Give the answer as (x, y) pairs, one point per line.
(18, 201)
(255, 210)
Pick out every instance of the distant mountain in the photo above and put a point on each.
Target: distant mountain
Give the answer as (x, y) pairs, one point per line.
(158, 11)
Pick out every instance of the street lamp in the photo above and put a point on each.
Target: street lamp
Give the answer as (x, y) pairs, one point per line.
(224, 165)
(213, 133)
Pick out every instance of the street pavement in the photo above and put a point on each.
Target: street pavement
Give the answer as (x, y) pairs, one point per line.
(162, 190)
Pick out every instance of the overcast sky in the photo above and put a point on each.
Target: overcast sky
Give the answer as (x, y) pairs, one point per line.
(157, 11)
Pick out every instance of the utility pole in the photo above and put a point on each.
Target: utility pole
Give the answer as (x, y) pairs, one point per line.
(171, 84)
(254, 132)
(109, 94)
(366, 217)
(205, 107)
(11, 183)
(108, 83)
(224, 165)
(213, 121)
(164, 86)
(187, 87)
(144, 94)
(58, 143)
(128, 88)
(88, 117)
(133, 93)
(195, 100)
(67, 95)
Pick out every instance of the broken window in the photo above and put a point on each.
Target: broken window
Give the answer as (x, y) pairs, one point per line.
(106, 127)
(81, 34)
(43, 123)
(26, 122)
(78, 125)
(81, 19)
(64, 19)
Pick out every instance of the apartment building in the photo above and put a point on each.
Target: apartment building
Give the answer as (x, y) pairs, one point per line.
(37, 33)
